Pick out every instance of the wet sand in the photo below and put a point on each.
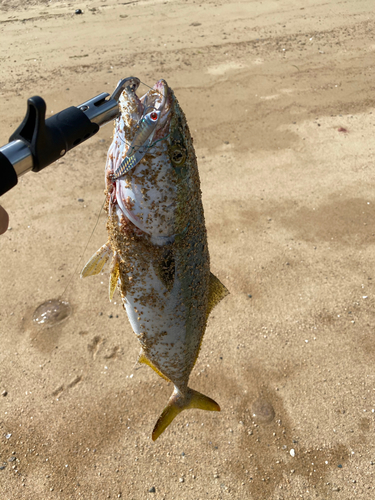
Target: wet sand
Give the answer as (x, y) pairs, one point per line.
(280, 101)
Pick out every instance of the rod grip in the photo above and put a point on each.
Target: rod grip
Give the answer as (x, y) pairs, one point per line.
(7, 174)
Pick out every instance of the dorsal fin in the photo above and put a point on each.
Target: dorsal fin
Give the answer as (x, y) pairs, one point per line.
(217, 291)
(97, 262)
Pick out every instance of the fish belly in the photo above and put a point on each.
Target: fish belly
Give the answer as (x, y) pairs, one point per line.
(157, 315)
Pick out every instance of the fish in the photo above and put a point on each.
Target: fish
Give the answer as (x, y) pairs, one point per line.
(157, 248)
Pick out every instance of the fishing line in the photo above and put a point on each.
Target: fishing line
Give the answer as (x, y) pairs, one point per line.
(80, 259)
(152, 88)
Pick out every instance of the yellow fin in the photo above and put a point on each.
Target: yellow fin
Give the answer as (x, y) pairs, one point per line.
(178, 403)
(97, 262)
(142, 359)
(217, 291)
(115, 273)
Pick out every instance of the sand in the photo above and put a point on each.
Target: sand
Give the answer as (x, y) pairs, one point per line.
(279, 97)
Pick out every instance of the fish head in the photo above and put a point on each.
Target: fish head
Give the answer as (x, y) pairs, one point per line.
(152, 110)
(147, 193)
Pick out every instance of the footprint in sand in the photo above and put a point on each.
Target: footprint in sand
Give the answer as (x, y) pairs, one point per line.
(94, 346)
(59, 390)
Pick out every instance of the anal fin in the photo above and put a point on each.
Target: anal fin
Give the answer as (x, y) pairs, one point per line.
(143, 359)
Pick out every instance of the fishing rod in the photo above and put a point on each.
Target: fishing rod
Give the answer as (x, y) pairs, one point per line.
(38, 142)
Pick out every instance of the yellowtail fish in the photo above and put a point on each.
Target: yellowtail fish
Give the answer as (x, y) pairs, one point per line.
(158, 243)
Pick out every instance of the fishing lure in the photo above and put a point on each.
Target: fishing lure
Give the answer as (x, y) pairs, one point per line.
(140, 144)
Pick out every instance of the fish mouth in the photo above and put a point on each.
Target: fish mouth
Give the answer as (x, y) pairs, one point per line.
(157, 98)
(133, 109)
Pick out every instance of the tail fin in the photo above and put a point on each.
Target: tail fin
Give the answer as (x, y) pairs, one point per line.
(178, 403)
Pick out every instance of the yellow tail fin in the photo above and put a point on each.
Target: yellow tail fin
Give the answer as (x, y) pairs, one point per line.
(178, 403)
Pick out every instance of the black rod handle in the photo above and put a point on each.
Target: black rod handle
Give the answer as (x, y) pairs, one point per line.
(50, 139)
(8, 175)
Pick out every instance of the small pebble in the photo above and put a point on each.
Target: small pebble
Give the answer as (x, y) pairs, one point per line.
(181, 479)
(80, 199)
(292, 453)
(152, 489)
(4, 393)
(78, 11)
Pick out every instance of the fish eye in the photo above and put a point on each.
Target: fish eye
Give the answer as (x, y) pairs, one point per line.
(154, 116)
(178, 156)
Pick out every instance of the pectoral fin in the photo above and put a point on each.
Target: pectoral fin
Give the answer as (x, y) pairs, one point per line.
(115, 273)
(165, 269)
(97, 262)
(217, 291)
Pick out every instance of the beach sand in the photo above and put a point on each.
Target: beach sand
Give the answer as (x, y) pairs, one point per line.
(279, 98)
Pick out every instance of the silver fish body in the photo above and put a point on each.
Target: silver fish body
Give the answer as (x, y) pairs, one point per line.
(158, 241)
